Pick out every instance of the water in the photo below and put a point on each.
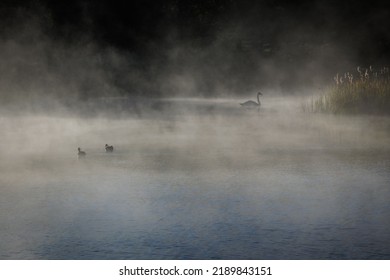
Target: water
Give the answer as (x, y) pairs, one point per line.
(203, 184)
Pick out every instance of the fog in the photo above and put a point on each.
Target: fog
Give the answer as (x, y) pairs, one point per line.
(193, 175)
(198, 179)
(237, 56)
(194, 126)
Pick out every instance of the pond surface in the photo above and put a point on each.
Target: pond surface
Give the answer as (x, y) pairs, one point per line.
(203, 184)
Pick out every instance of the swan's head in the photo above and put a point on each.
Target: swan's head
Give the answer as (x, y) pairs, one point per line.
(78, 149)
(106, 145)
(259, 93)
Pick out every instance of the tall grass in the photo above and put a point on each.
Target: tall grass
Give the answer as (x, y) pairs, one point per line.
(366, 91)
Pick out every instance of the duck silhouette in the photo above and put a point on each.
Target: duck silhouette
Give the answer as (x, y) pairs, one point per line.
(109, 149)
(81, 153)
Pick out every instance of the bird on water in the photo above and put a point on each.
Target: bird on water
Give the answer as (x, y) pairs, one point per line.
(252, 104)
(109, 149)
(81, 153)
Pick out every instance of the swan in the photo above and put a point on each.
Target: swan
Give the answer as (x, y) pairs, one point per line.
(252, 104)
(81, 153)
(109, 149)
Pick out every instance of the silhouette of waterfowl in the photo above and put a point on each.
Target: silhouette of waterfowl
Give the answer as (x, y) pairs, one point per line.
(81, 153)
(252, 104)
(109, 149)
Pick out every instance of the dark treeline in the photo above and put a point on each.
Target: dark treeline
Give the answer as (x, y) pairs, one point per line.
(206, 47)
(132, 24)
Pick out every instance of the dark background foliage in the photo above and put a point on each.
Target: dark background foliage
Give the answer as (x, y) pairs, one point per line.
(211, 47)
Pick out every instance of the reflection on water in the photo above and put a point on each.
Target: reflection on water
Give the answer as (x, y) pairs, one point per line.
(245, 185)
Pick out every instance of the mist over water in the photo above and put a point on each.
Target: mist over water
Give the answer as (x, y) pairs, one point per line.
(195, 179)
(193, 174)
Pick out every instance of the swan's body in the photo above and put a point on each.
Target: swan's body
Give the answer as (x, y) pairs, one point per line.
(109, 149)
(252, 104)
(81, 153)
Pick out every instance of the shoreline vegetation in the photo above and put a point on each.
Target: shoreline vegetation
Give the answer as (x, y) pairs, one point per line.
(366, 91)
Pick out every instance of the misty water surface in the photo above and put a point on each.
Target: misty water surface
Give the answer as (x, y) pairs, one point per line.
(195, 179)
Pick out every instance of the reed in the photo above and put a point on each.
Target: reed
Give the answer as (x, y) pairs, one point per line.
(366, 91)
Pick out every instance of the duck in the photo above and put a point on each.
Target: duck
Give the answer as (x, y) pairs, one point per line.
(109, 149)
(81, 153)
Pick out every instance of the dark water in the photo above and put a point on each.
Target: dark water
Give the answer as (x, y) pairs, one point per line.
(259, 186)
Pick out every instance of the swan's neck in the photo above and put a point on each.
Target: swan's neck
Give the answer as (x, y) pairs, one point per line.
(258, 99)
